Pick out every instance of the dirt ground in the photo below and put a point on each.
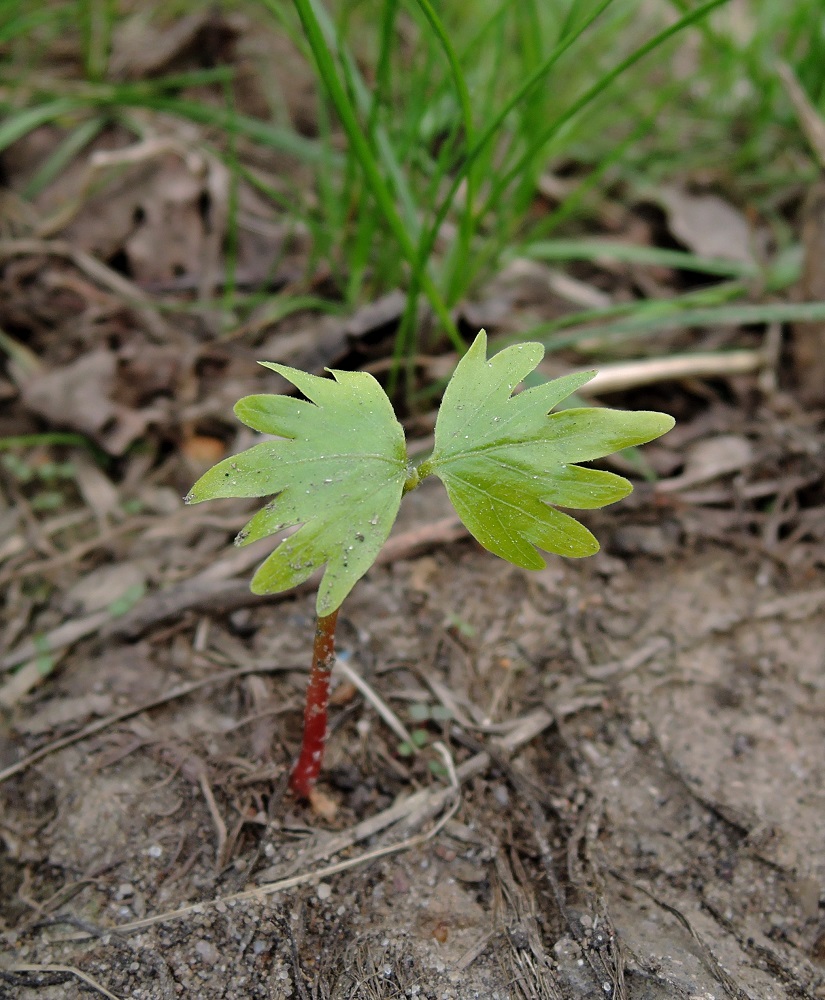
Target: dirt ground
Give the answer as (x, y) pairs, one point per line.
(654, 831)
(620, 786)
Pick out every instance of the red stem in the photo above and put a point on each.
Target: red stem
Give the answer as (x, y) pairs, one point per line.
(305, 773)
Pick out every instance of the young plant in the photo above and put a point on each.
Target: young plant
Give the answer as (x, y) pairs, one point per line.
(338, 467)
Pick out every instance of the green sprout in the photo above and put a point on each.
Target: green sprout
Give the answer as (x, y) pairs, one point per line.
(337, 469)
(421, 714)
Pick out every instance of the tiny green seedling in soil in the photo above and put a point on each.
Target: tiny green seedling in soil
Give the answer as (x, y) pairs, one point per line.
(337, 466)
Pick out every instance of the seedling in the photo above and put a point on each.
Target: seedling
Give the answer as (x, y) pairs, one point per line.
(338, 467)
(421, 714)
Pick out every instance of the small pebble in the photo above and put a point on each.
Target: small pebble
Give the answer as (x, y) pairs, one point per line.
(207, 952)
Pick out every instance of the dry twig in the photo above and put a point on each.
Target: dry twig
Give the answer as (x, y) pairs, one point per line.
(71, 970)
(127, 713)
(378, 703)
(97, 271)
(271, 888)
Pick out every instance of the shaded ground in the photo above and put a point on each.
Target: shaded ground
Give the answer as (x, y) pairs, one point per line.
(621, 791)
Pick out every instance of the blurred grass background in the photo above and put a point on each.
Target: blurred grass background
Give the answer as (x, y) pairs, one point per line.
(430, 130)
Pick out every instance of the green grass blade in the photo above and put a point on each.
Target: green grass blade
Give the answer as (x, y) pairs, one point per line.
(583, 320)
(502, 183)
(383, 69)
(363, 152)
(507, 235)
(171, 81)
(484, 139)
(14, 22)
(285, 140)
(643, 325)
(465, 232)
(96, 22)
(364, 101)
(575, 199)
(66, 151)
(273, 136)
(627, 253)
(21, 123)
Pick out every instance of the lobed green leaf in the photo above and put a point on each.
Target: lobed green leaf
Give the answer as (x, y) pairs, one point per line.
(337, 468)
(504, 459)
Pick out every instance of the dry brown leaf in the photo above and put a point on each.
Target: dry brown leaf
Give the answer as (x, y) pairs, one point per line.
(171, 233)
(707, 224)
(323, 805)
(82, 395)
(709, 459)
(103, 586)
(99, 492)
(141, 49)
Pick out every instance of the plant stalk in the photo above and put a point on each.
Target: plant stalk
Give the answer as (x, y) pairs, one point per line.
(306, 771)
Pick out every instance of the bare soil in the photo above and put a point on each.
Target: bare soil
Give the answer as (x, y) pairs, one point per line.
(661, 836)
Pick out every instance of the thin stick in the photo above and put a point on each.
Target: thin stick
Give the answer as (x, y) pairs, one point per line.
(712, 364)
(70, 969)
(217, 819)
(63, 635)
(452, 792)
(306, 771)
(96, 270)
(529, 727)
(378, 703)
(421, 804)
(126, 713)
